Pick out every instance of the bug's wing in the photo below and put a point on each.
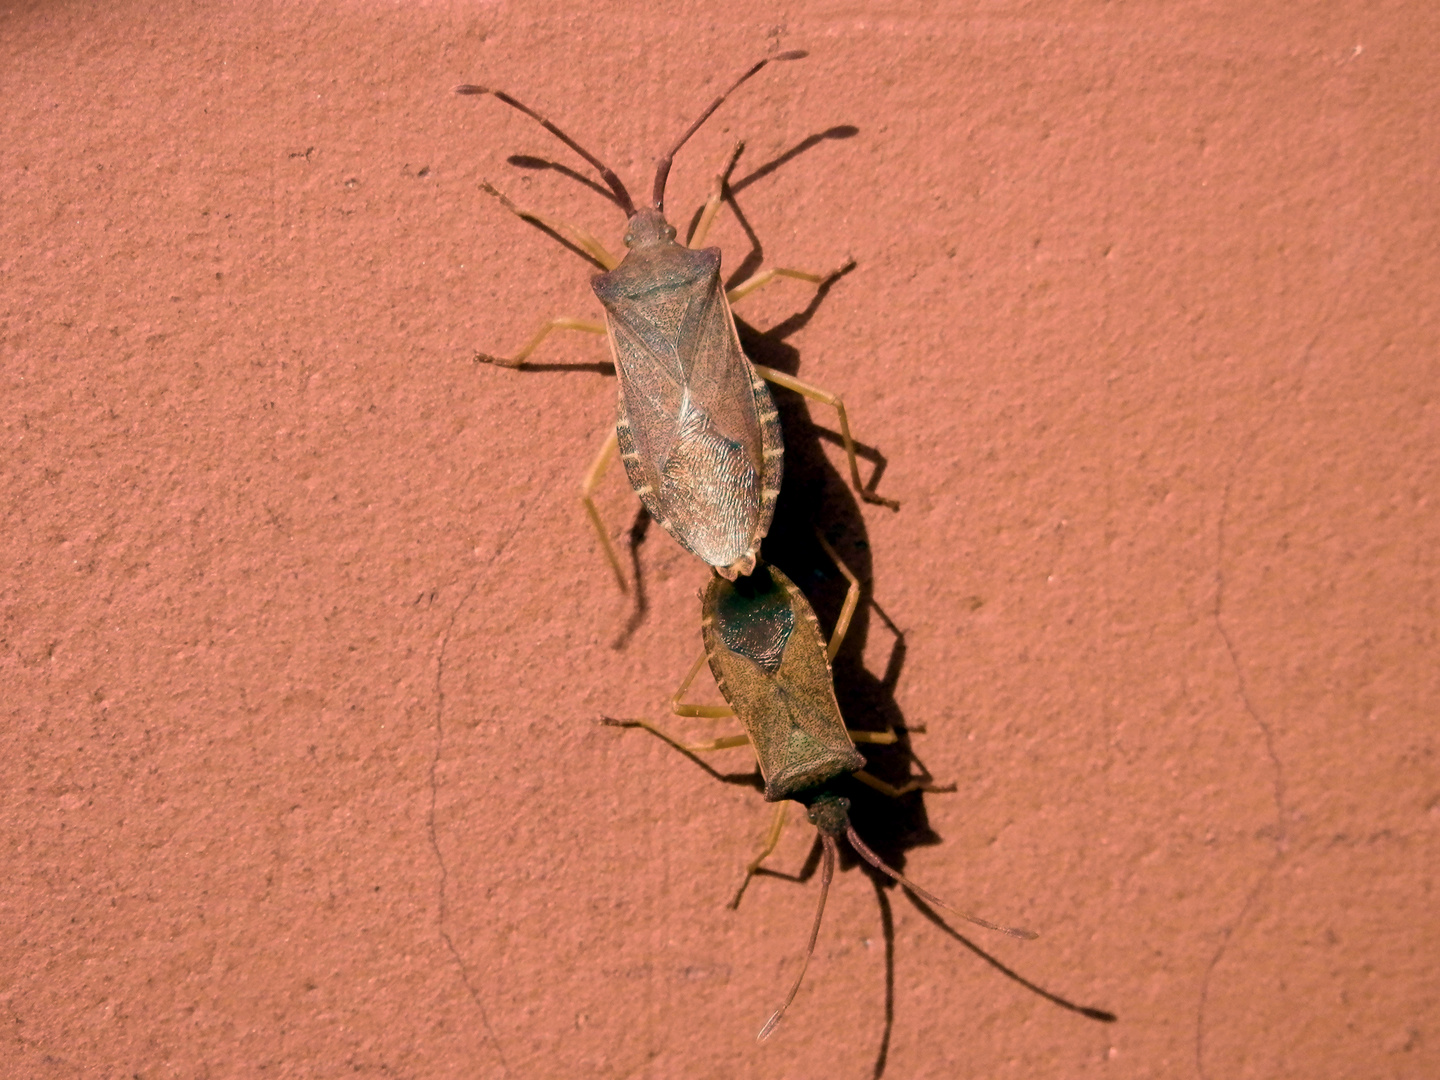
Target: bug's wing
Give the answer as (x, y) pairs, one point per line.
(717, 373)
(689, 427)
(647, 362)
(808, 686)
(676, 351)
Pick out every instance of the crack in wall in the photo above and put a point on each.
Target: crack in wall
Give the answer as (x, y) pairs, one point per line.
(435, 790)
(1278, 793)
(1267, 732)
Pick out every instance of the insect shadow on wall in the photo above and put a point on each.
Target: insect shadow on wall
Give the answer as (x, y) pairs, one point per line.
(817, 495)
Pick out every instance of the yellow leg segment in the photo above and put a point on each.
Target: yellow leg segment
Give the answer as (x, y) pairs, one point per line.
(690, 748)
(852, 598)
(687, 708)
(717, 196)
(904, 789)
(815, 393)
(563, 323)
(587, 489)
(777, 826)
(765, 277)
(581, 238)
(874, 738)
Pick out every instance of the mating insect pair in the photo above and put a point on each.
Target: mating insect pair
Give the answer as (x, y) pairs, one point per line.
(700, 439)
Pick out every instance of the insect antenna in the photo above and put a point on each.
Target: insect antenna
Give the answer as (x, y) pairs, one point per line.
(662, 166)
(626, 203)
(930, 898)
(826, 874)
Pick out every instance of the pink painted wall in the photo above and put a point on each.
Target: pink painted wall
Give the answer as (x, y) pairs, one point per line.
(303, 636)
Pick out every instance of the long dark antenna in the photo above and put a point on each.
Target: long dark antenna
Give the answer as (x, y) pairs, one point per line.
(662, 167)
(626, 203)
(831, 851)
(874, 860)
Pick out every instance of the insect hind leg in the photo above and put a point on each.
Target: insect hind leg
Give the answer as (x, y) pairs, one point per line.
(689, 708)
(772, 840)
(923, 783)
(717, 197)
(815, 393)
(592, 479)
(725, 743)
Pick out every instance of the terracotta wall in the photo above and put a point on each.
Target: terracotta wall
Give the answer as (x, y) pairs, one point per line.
(303, 635)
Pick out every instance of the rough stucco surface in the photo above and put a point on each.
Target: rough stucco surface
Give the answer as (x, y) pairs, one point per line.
(304, 634)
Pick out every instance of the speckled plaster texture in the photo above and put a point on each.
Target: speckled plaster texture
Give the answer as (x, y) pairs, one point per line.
(303, 635)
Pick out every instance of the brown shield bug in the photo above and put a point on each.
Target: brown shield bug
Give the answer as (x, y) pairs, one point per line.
(772, 664)
(696, 428)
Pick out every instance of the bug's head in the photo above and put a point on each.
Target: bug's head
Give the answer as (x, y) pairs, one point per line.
(648, 228)
(830, 814)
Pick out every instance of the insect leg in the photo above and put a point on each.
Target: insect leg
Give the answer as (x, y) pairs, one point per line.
(875, 738)
(772, 838)
(686, 708)
(842, 625)
(562, 323)
(852, 597)
(921, 784)
(587, 488)
(789, 383)
(717, 196)
(760, 280)
(726, 743)
(573, 234)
